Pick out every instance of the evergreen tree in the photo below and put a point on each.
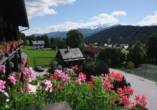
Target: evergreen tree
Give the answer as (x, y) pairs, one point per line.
(52, 66)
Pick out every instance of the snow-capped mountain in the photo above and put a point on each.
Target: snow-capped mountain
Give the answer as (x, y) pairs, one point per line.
(85, 31)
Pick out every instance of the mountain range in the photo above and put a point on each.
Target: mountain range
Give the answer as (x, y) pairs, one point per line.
(85, 31)
(123, 34)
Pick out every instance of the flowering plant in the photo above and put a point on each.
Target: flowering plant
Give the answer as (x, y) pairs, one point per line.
(2, 50)
(96, 94)
(2, 68)
(5, 46)
(1, 53)
(20, 42)
(12, 44)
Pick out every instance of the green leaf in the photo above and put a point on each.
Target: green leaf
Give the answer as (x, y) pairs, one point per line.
(7, 107)
(113, 107)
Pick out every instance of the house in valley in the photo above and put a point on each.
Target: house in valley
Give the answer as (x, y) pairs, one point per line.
(91, 52)
(92, 45)
(38, 45)
(69, 57)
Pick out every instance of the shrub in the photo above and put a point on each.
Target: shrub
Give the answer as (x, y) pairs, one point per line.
(90, 67)
(52, 66)
(130, 65)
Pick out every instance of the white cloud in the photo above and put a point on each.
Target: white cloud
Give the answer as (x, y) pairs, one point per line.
(41, 7)
(101, 20)
(149, 20)
(118, 13)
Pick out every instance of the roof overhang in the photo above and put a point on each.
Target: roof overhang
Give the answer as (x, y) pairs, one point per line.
(14, 11)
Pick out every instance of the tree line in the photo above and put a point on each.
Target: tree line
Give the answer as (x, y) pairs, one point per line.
(74, 40)
(138, 54)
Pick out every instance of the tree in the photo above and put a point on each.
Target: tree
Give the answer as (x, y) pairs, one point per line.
(114, 54)
(74, 38)
(60, 42)
(46, 40)
(52, 41)
(31, 38)
(23, 37)
(130, 45)
(130, 65)
(52, 66)
(151, 46)
(136, 54)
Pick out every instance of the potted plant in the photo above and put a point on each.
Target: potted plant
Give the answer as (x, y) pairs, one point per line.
(6, 47)
(12, 45)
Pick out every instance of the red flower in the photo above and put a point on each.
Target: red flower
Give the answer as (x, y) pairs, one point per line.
(113, 101)
(58, 87)
(52, 76)
(92, 77)
(75, 67)
(90, 84)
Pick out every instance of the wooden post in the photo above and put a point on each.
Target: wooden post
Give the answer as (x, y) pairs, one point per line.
(20, 54)
(8, 69)
(1, 33)
(16, 63)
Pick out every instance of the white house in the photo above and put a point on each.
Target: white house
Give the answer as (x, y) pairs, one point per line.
(38, 44)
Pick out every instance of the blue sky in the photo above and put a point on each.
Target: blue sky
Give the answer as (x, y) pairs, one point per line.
(62, 15)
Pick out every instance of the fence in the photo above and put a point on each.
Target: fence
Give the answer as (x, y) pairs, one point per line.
(43, 61)
(146, 70)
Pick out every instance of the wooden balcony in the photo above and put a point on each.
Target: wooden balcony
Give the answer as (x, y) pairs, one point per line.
(12, 57)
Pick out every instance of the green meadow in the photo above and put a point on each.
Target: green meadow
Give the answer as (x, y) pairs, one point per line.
(31, 53)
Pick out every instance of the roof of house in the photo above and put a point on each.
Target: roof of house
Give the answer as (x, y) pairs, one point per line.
(91, 49)
(91, 44)
(72, 55)
(14, 11)
(38, 42)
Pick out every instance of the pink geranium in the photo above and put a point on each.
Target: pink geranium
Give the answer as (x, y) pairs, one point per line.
(126, 101)
(2, 68)
(65, 79)
(78, 81)
(12, 79)
(2, 85)
(48, 85)
(21, 90)
(69, 71)
(82, 76)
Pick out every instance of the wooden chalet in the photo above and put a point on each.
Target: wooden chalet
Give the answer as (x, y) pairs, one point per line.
(12, 15)
(68, 57)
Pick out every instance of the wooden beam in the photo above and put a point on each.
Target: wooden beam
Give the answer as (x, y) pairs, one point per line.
(1, 33)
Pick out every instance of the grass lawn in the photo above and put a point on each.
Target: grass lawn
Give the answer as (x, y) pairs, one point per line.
(31, 53)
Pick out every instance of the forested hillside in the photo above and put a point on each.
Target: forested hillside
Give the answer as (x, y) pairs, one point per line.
(123, 34)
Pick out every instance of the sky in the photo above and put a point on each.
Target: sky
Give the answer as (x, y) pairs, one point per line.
(46, 16)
